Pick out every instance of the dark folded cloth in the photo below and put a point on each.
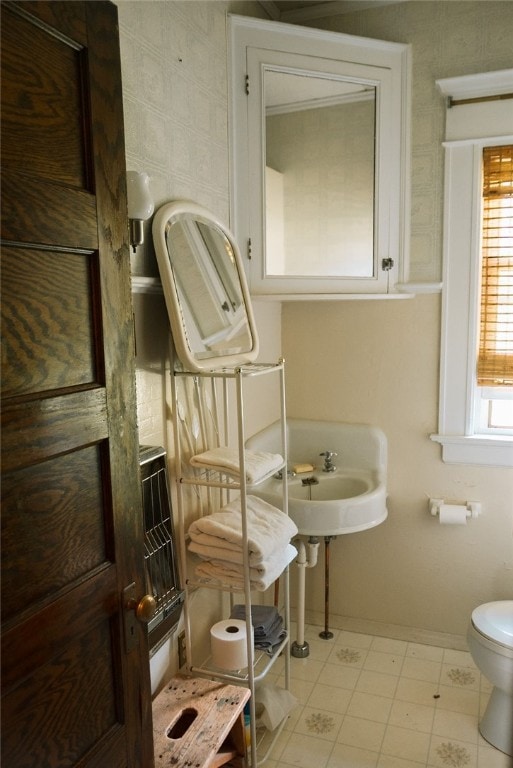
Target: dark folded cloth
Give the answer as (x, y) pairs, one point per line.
(270, 636)
(270, 645)
(262, 616)
(269, 641)
(271, 650)
(267, 624)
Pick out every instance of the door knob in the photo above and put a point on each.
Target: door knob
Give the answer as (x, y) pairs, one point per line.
(145, 608)
(136, 610)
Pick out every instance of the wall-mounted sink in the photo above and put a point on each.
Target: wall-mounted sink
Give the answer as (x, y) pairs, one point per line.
(350, 499)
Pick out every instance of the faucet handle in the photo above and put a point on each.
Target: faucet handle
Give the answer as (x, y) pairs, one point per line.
(328, 463)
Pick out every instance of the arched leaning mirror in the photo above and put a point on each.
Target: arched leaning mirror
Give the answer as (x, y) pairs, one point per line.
(204, 288)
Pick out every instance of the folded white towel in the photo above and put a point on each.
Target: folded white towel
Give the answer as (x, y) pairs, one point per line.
(260, 578)
(258, 465)
(268, 529)
(210, 550)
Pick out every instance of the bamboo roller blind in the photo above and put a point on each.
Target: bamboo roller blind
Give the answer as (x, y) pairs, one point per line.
(495, 357)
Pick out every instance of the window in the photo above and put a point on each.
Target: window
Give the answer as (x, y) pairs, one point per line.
(476, 367)
(494, 368)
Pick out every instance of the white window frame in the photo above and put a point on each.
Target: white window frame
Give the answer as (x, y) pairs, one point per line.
(469, 128)
(482, 404)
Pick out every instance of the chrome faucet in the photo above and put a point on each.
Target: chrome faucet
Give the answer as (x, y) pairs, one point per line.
(328, 463)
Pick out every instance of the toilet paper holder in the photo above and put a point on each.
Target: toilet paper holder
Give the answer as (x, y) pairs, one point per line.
(473, 507)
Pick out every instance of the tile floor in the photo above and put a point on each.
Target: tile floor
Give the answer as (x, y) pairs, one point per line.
(373, 702)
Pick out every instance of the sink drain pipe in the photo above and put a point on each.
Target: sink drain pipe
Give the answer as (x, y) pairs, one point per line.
(326, 634)
(300, 648)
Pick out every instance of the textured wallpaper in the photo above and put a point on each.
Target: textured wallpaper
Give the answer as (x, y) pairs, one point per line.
(448, 39)
(174, 65)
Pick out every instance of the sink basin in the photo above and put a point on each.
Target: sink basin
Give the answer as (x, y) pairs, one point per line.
(328, 487)
(339, 502)
(348, 500)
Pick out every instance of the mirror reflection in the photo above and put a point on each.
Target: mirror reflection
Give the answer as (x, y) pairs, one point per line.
(204, 288)
(319, 175)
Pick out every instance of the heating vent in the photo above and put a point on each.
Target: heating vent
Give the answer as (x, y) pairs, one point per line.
(159, 546)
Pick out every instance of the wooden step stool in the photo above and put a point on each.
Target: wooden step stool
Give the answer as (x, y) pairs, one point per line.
(199, 723)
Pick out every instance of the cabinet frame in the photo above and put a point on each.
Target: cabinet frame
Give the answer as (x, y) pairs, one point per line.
(255, 44)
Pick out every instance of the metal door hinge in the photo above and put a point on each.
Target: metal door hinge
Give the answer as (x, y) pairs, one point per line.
(247, 85)
(249, 248)
(387, 264)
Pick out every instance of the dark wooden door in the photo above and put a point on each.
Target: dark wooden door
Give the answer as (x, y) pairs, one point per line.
(75, 680)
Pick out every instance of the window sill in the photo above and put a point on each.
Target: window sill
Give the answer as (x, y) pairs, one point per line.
(479, 449)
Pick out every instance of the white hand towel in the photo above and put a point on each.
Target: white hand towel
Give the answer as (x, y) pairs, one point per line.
(260, 578)
(258, 465)
(211, 551)
(267, 529)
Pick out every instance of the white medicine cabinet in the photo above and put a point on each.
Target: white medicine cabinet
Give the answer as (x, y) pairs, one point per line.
(320, 132)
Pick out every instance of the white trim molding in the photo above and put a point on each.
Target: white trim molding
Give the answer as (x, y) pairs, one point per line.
(484, 84)
(476, 449)
(469, 128)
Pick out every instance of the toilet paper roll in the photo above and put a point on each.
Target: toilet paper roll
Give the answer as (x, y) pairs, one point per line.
(452, 514)
(228, 644)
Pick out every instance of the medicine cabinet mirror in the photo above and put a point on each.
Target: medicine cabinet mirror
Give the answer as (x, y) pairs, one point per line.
(204, 288)
(320, 140)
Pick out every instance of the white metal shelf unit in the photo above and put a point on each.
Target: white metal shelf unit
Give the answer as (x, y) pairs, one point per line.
(259, 664)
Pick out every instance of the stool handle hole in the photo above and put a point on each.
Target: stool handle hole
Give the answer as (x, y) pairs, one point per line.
(182, 724)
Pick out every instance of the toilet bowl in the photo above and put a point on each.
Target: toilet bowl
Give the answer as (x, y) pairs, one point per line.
(490, 642)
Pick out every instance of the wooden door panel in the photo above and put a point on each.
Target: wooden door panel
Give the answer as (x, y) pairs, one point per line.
(33, 641)
(72, 694)
(36, 430)
(47, 312)
(64, 495)
(66, 706)
(42, 104)
(60, 15)
(72, 221)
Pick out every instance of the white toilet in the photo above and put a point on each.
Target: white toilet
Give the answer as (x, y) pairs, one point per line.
(490, 641)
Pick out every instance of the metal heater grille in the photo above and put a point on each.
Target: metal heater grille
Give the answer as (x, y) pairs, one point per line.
(159, 547)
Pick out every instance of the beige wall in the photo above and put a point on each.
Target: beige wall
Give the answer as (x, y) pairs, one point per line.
(375, 362)
(379, 365)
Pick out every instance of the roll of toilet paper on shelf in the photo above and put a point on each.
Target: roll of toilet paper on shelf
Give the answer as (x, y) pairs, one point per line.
(452, 514)
(228, 644)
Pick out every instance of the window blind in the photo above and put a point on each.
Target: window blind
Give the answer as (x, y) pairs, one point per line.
(495, 355)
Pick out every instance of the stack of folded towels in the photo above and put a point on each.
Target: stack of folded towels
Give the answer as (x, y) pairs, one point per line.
(267, 623)
(217, 539)
(258, 464)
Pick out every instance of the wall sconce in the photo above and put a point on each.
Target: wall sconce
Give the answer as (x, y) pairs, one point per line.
(140, 205)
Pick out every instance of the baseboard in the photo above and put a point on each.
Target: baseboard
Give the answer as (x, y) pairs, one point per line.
(395, 631)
